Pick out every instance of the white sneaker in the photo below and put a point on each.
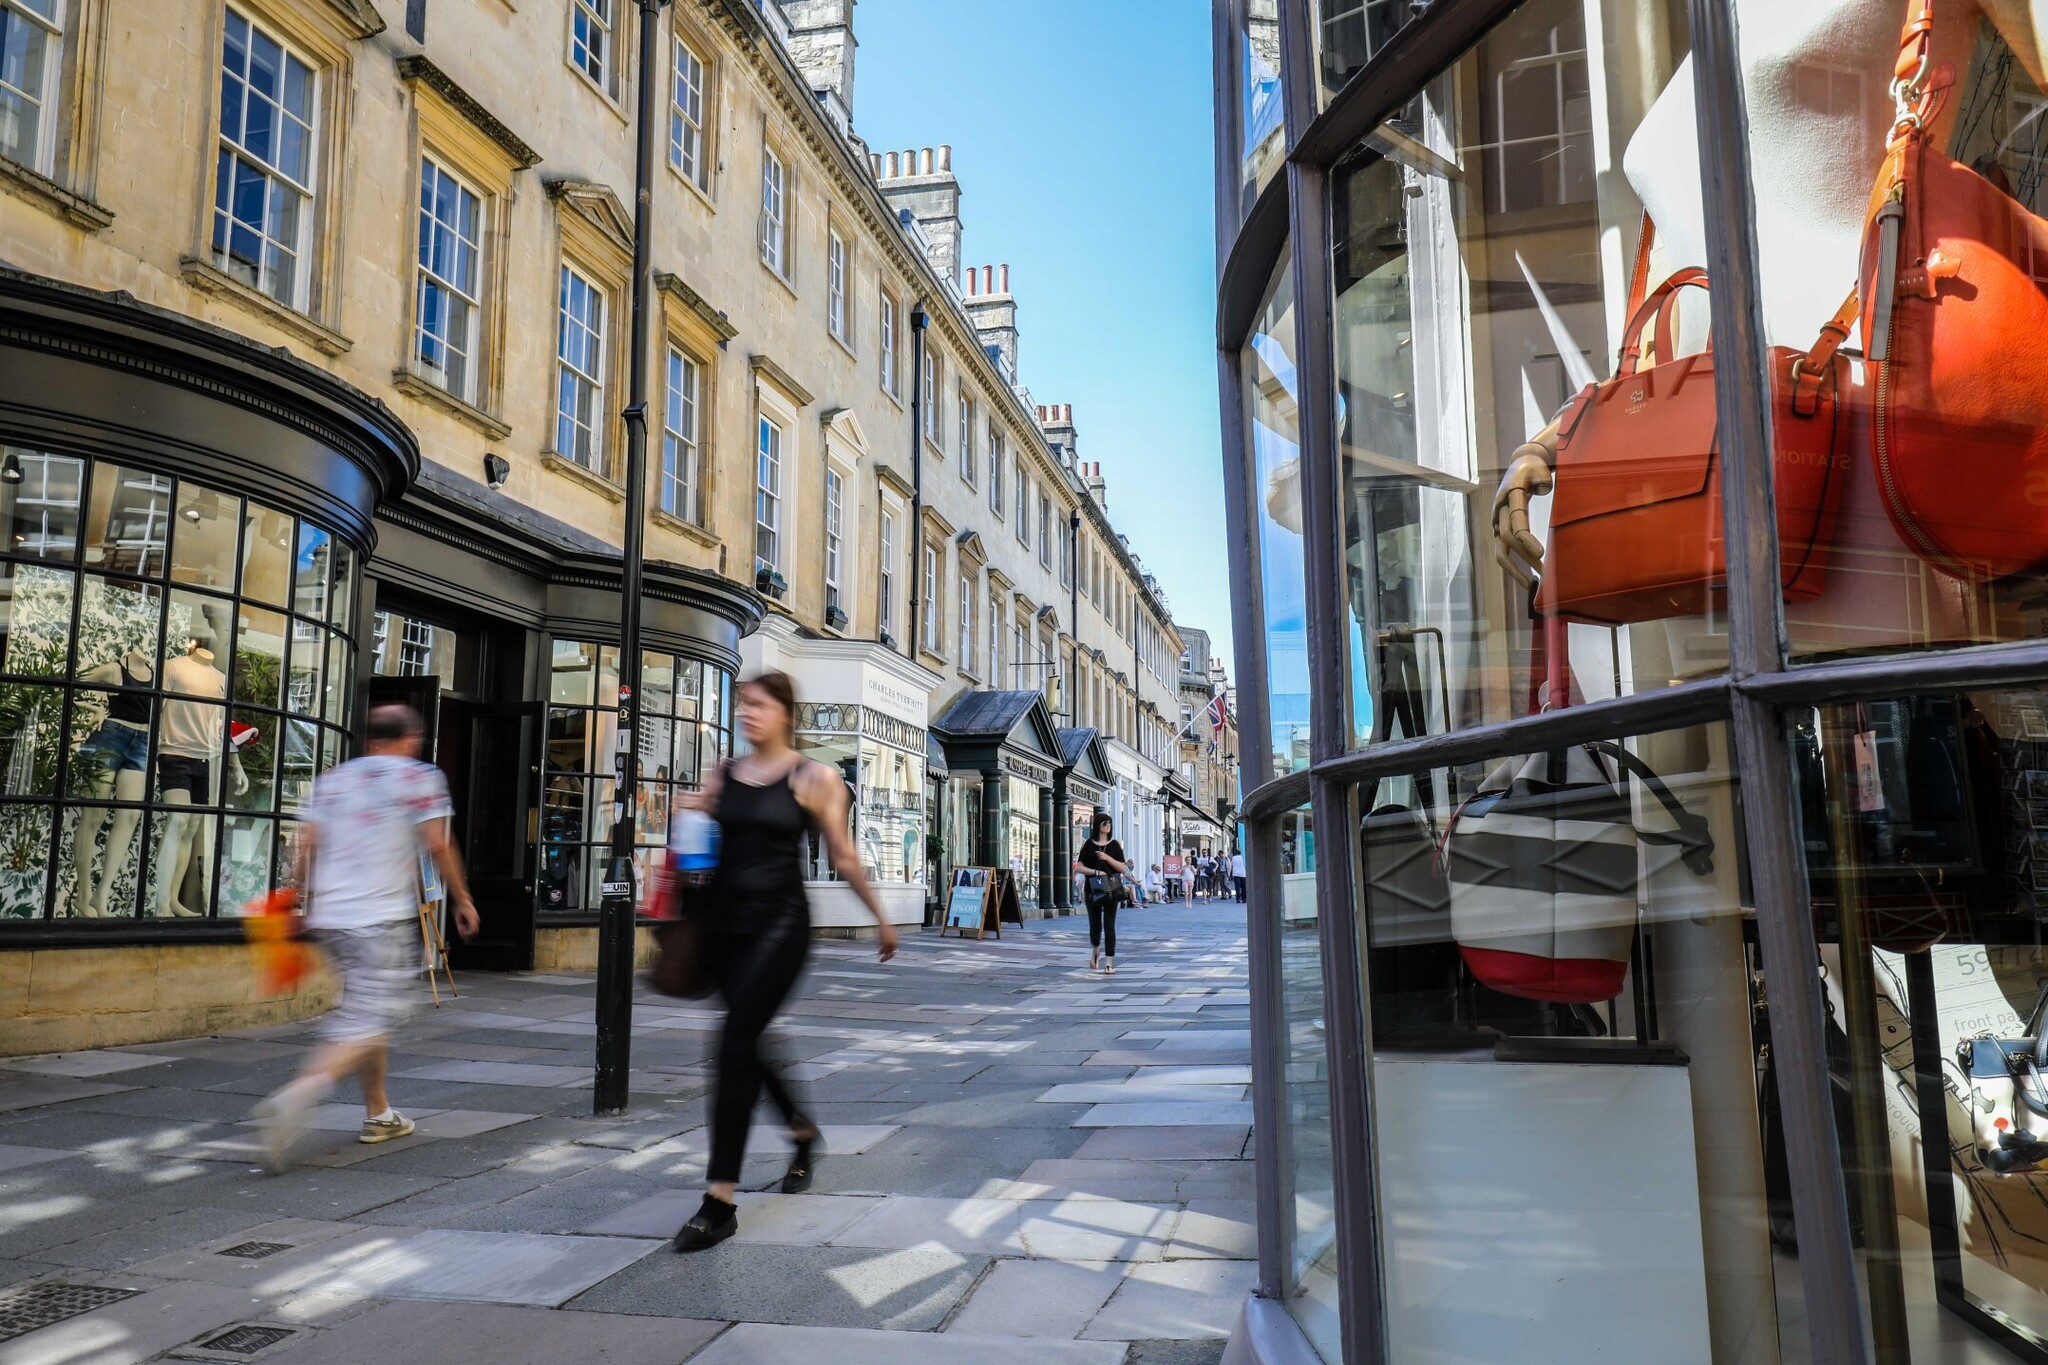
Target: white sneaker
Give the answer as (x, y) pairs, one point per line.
(383, 1130)
(283, 1119)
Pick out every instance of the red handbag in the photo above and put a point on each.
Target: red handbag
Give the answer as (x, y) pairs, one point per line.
(1955, 272)
(1635, 526)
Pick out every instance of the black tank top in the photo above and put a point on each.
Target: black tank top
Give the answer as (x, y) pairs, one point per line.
(760, 850)
(130, 701)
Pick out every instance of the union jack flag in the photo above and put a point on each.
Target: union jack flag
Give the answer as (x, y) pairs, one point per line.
(1218, 713)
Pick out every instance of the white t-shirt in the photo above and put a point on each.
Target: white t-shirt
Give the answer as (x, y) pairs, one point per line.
(1237, 864)
(366, 816)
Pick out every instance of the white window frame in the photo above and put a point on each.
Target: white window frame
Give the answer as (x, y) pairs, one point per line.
(970, 617)
(835, 283)
(885, 586)
(996, 455)
(967, 416)
(1023, 503)
(835, 544)
(1067, 552)
(468, 382)
(769, 457)
(931, 399)
(1044, 529)
(590, 380)
(774, 211)
(995, 638)
(591, 50)
(682, 426)
(688, 141)
(42, 150)
(278, 181)
(889, 323)
(934, 612)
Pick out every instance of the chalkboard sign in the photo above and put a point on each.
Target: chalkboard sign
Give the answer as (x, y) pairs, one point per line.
(975, 901)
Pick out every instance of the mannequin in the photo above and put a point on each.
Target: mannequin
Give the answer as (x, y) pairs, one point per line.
(117, 757)
(190, 740)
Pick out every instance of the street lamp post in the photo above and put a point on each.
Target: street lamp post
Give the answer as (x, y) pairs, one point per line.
(615, 916)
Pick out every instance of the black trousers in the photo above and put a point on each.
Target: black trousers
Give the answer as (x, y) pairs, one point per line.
(1102, 925)
(755, 975)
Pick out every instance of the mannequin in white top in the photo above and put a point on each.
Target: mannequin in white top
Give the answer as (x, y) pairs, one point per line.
(115, 760)
(191, 738)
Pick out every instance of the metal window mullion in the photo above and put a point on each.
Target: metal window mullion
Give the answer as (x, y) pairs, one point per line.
(1827, 1264)
(1361, 1288)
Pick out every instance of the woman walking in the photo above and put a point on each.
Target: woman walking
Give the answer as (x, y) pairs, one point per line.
(758, 930)
(1103, 857)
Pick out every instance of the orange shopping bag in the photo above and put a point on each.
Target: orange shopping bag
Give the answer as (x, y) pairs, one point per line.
(282, 961)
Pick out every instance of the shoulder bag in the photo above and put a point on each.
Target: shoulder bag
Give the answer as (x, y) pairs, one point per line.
(1635, 527)
(1544, 871)
(1955, 278)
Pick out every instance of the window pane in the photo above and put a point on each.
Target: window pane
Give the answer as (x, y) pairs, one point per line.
(39, 512)
(256, 739)
(1262, 117)
(182, 844)
(1581, 972)
(259, 657)
(570, 673)
(1530, 379)
(248, 844)
(128, 521)
(203, 537)
(311, 566)
(35, 620)
(99, 855)
(1274, 447)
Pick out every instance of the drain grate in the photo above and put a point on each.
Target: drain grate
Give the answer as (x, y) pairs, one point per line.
(246, 1340)
(36, 1306)
(255, 1251)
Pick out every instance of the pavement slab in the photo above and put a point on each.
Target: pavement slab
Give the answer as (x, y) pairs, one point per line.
(909, 1289)
(757, 1344)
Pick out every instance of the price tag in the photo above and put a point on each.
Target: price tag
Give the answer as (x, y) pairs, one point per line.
(1869, 785)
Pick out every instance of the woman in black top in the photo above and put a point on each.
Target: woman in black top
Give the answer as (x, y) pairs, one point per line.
(1103, 857)
(758, 929)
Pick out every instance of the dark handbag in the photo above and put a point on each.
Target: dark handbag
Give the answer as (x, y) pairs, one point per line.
(680, 967)
(1105, 889)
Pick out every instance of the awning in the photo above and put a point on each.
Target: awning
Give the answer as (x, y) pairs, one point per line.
(935, 756)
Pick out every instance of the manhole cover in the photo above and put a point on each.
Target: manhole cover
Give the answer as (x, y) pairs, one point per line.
(255, 1251)
(245, 1340)
(36, 1306)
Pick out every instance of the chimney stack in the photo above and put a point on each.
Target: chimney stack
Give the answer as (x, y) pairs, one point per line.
(1098, 489)
(920, 182)
(821, 43)
(994, 315)
(1057, 422)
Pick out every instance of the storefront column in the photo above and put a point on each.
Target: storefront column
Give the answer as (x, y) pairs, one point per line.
(1050, 871)
(1061, 840)
(994, 820)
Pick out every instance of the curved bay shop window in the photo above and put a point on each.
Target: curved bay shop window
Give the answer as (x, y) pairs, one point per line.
(684, 729)
(177, 669)
(882, 760)
(1273, 449)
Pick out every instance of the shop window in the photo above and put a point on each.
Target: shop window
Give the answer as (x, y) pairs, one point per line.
(580, 416)
(885, 781)
(403, 645)
(686, 123)
(1559, 941)
(1352, 31)
(147, 745)
(448, 300)
(680, 440)
(681, 728)
(1262, 115)
(1024, 836)
(31, 64)
(263, 178)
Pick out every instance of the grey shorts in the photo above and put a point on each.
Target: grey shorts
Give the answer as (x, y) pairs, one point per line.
(377, 969)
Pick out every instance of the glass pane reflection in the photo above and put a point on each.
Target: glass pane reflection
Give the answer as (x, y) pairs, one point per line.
(1274, 447)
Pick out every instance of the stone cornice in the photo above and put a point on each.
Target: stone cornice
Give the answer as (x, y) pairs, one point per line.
(672, 284)
(781, 379)
(419, 68)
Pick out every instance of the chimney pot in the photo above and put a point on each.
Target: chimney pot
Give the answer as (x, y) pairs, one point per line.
(946, 157)
(891, 172)
(988, 279)
(1006, 279)
(1066, 412)
(925, 162)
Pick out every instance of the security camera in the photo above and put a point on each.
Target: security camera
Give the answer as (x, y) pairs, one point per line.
(497, 469)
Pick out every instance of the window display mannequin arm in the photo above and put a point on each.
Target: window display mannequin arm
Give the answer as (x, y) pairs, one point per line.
(1530, 474)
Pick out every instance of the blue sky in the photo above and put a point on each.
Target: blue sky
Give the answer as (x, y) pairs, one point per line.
(1081, 135)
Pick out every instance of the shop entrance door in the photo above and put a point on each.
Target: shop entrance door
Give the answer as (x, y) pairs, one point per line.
(497, 798)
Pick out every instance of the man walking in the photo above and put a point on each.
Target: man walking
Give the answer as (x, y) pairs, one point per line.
(1237, 873)
(358, 870)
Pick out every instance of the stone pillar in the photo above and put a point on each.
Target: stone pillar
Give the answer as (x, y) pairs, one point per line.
(994, 825)
(1046, 852)
(1061, 837)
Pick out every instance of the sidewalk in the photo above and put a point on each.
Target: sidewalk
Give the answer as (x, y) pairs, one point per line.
(1023, 1163)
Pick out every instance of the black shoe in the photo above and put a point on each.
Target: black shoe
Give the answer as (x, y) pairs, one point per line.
(713, 1222)
(797, 1178)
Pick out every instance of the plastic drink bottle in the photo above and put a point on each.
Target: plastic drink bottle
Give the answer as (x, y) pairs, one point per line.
(695, 843)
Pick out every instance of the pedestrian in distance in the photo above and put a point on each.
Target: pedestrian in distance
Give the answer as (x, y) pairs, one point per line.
(756, 927)
(1237, 874)
(1104, 858)
(358, 871)
(1155, 889)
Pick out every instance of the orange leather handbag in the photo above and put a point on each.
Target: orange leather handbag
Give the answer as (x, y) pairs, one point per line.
(1955, 275)
(1635, 526)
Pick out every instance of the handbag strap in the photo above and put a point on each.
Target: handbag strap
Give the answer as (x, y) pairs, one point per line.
(1693, 838)
(1659, 304)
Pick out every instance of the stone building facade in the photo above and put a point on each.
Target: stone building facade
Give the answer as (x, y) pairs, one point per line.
(316, 315)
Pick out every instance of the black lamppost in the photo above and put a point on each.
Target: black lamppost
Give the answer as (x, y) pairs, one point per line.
(615, 916)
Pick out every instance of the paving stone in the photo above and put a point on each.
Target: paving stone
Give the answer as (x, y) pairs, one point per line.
(1216, 1230)
(1167, 1114)
(497, 1073)
(757, 1344)
(1028, 1298)
(145, 1239)
(83, 1065)
(1077, 1229)
(130, 1331)
(22, 1091)
(1168, 1144)
(784, 1219)
(1175, 1299)
(477, 1267)
(14, 1158)
(1143, 1089)
(908, 1289)
(494, 1332)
